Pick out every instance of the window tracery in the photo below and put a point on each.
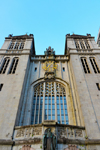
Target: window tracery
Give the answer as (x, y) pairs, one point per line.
(53, 96)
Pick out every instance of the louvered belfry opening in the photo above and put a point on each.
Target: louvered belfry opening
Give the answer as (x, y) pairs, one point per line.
(14, 65)
(4, 65)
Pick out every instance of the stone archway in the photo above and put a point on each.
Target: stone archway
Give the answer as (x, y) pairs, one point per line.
(71, 147)
(27, 147)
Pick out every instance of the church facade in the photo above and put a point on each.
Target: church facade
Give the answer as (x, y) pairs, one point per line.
(50, 99)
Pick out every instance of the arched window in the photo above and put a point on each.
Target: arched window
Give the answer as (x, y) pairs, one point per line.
(14, 65)
(4, 65)
(94, 65)
(49, 103)
(85, 65)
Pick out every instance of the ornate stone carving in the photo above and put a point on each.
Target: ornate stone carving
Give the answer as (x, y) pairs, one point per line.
(70, 132)
(49, 51)
(78, 133)
(29, 132)
(20, 133)
(71, 147)
(37, 131)
(50, 75)
(62, 132)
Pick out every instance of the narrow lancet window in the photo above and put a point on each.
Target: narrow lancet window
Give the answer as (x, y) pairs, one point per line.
(98, 86)
(85, 65)
(21, 45)
(94, 65)
(87, 44)
(14, 65)
(4, 65)
(77, 44)
(1, 85)
(12, 45)
(82, 45)
(16, 45)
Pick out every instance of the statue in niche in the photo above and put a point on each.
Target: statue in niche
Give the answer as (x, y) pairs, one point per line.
(49, 140)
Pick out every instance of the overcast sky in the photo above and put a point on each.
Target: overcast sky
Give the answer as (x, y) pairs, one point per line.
(49, 20)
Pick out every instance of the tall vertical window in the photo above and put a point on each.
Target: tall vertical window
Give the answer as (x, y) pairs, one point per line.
(1, 85)
(17, 45)
(62, 115)
(94, 65)
(12, 45)
(98, 86)
(21, 45)
(4, 65)
(53, 102)
(77, 44)
(14, 65)
(85, 65)
(82, 44)
(37, 104)
(87, 44)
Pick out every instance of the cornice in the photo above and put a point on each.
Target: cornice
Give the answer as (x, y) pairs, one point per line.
(59, 141)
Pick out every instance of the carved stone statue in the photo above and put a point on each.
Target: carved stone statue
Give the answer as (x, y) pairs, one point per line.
(49, 51)
(49, 140)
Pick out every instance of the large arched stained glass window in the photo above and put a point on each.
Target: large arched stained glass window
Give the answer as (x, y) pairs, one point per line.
(49, 103)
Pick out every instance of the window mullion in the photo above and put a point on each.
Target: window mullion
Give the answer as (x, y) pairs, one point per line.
(35, 108)
(43, 103)
(4, 65)
(85, 65)
(13, 65)
(19, 45)
(51, 101)
(96, 65)
(39, 106)
(63, 106)
(14, 45)
(55, 99)
(95, 70)
(47, 106)
(60, 106)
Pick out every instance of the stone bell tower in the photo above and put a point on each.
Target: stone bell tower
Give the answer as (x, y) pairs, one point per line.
(84, 72)
(15, 62)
